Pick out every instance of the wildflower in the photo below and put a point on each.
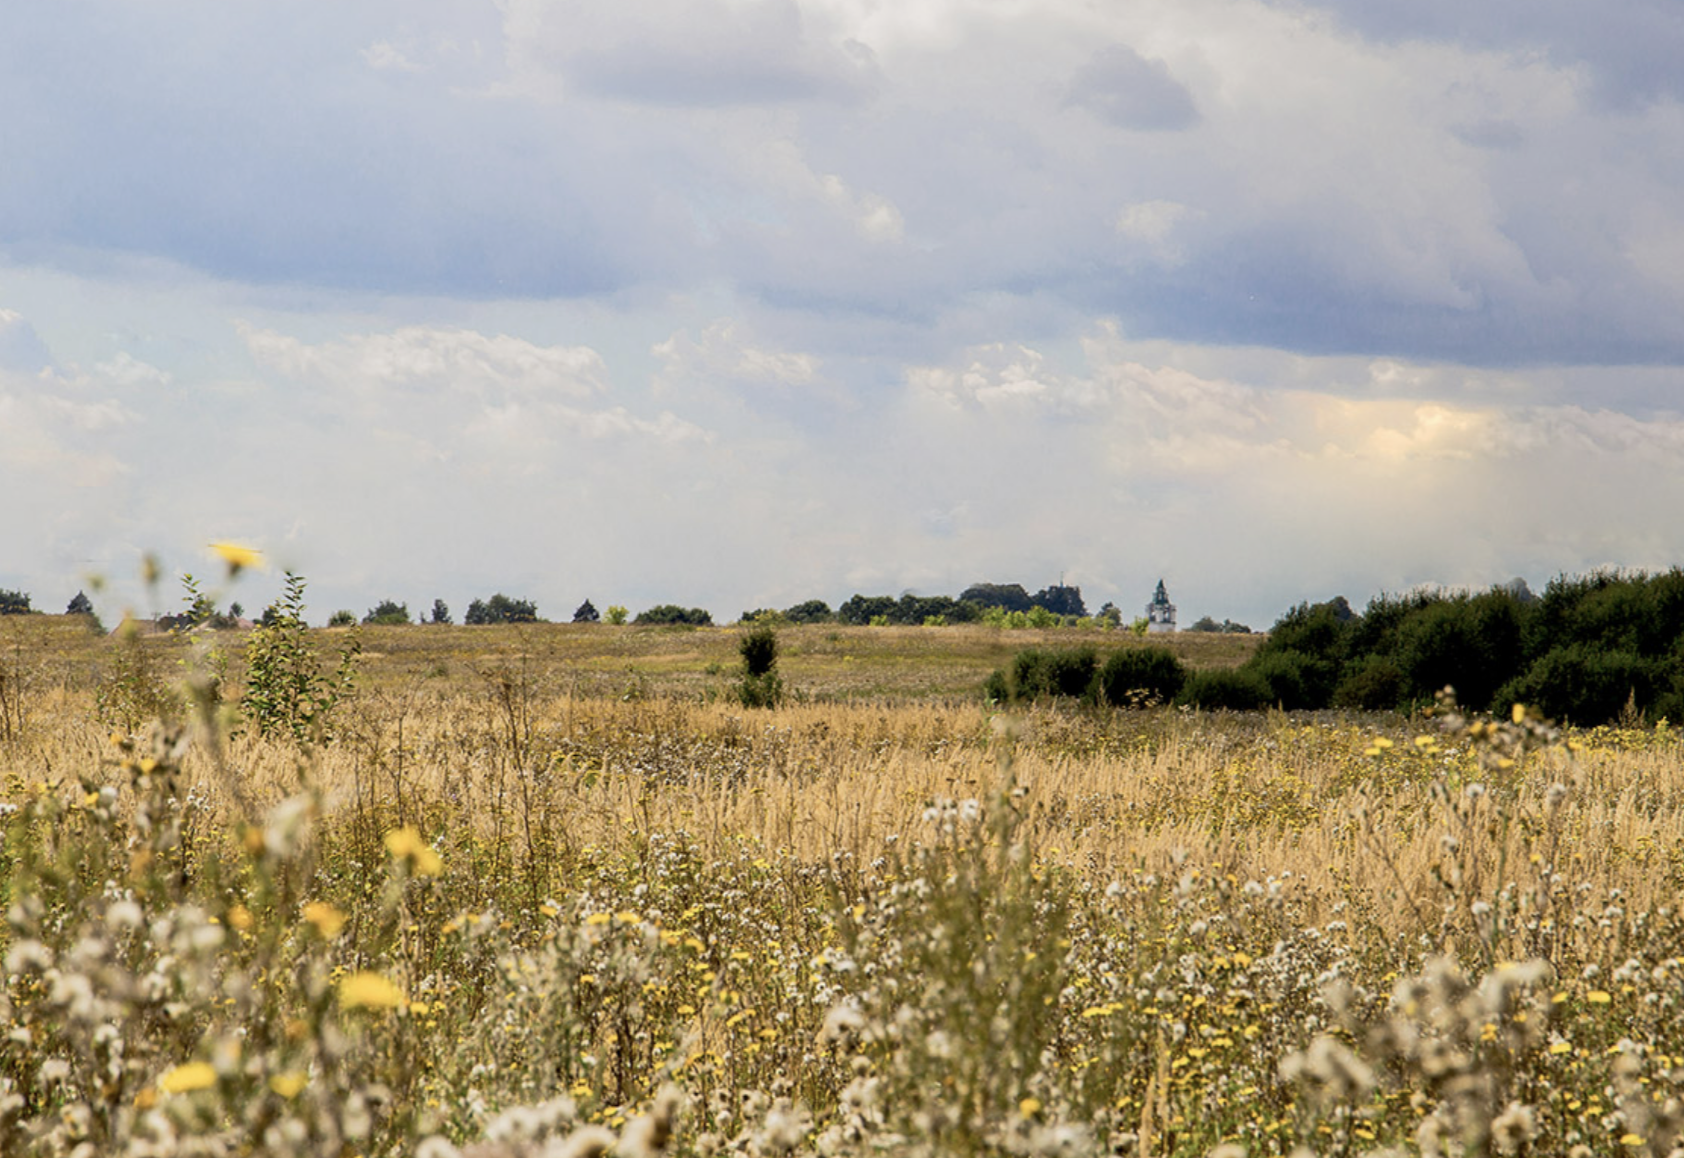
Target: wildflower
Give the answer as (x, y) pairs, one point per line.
(405, 844)
(186, 1078)
(237, 557)
(1513, 1128)
(289, 1085)
(586, 1142)
(369, 990)
(327, 919)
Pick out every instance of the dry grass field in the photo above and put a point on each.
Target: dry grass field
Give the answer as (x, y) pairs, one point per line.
(552, 889)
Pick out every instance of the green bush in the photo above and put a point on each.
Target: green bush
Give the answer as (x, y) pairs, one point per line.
(670, 614)
(1372, 684)
(388, 613)
(1034, 674)
(500, 609)
(1141, 673)
(1225, 689)
(760, 687)
(287, 692)
(1582, 684)
(1294, 681)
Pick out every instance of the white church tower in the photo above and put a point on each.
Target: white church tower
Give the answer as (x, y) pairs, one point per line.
(1160, 613)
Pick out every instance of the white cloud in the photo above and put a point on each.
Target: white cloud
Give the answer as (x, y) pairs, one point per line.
(724, 353)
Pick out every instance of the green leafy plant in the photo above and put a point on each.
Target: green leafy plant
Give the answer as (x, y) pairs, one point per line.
(287, 693)
(761, 686)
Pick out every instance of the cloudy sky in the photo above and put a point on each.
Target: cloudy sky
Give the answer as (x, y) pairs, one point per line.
(736, 303)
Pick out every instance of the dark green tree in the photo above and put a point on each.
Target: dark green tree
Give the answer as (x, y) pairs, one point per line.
(388, 613)
(500, 609)
(441, 612)
(761, 686)
(812, 611)
(587, 613)
(672, 615)
(14, 603)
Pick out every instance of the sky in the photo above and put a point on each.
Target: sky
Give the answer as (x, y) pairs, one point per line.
(738, 303)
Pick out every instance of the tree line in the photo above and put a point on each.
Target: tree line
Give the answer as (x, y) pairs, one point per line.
(1590, 649)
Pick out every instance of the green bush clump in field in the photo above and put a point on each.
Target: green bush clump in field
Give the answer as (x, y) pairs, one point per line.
(760, 686)
(1139, 675)
(670, 614)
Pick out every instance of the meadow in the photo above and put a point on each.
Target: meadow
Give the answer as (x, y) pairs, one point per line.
(553, 890)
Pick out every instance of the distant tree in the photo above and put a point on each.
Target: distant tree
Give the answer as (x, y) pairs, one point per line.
(1110, 614)
(617, 615)
(668, 614)
(587, 613)
(83, 607)
(236, 611)
(14, 603)
(862, 609)
(501, 609)
(1011, 596)
(1060, 600)
(812, 611)
(388, 613)
(341, 618)
(441, 612)
(762, 615)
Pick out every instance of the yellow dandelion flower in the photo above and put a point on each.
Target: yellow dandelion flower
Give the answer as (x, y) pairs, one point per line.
(1029, 1107)
(237, 557)
(327, 919)
(289, 1085)
(186, 1078)
(369, 991)
(406, 844)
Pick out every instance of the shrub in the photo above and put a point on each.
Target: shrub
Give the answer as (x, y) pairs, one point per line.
(1224, 689)
(1294, 682)
(500, 609)
(287, 692)
(1034, 673)
(862, 609)
(1582, 684)
(344, 617)
(1373, 683)
(14, 603)
(1139, 674)
(812, 611)
(670, 614)
(760, 686)
(616, 615)
(388, 613)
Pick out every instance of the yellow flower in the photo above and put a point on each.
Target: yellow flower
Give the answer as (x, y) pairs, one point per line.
(237, 557)
(406, 844)
(327, 919)
(1598, 997)
(1029, 1107)
(1518, 713)
(240, 917)
(370, 991)
(289, 1085)
(185, 1078)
